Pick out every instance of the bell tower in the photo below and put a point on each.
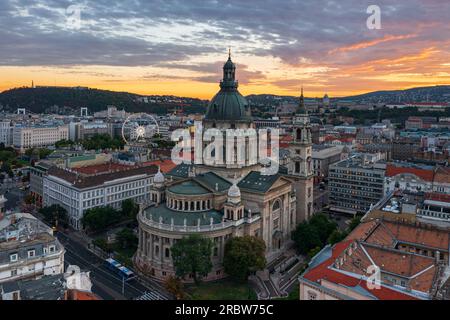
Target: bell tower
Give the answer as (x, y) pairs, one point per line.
(300, 168)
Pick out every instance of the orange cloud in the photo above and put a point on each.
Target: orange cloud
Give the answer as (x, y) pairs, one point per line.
(366, 44)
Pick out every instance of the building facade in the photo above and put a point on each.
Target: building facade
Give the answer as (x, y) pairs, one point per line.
(5, 133)
(28, 249)
(78, 192)
(39, 136)
(217, 200)
(356, 184)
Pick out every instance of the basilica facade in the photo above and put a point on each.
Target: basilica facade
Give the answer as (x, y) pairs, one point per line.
(220, 200)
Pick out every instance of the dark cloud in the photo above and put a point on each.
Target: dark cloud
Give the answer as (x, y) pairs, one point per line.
(309, 31)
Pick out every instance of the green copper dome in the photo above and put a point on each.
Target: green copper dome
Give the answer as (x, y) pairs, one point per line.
(228, 104)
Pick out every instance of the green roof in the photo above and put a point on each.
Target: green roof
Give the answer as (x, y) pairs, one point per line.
(210, 179)
(178, 217)
(255, 181)
(189, 188)
(228, 105)
(82, 158)
(181, 171)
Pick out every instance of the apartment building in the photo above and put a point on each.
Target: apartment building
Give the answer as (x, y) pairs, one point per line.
(435, 209)
(78, 190)
(380, 260)
(5, 132)
(28, 249)
(25, 137)
(356, 183)
(324, 156)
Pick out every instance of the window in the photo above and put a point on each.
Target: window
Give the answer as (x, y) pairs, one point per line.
(51, 249)
(167, 253)
(31, 253)
(13, 257)
(276, 205)
(14, 273)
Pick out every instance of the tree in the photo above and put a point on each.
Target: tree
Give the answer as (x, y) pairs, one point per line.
(175, 287)
(244, 255)
(64, 143)
(323, 226)
(97, 219)
(354, 223)
(54, 214)
(192, 255)
(306, 238)
(336, 236)
(127, 239)
(129, 208)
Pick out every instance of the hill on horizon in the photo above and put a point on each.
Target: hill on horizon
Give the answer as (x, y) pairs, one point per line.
(43, 99)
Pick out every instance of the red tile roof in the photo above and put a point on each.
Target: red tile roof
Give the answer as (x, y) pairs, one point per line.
(102, 168)
(165, 165)
(442, 175)
(81, 295)
(393, 170)
(323, 271)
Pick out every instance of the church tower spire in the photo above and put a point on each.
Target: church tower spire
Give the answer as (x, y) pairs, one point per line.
(300, 166)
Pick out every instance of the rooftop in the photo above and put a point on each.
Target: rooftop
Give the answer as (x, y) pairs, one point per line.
(81, 181)
(188, 188)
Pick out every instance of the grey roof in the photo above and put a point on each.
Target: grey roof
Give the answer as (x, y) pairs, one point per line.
(180, 171)
(37, 244)
(257, 182)
(9, 287)
(210, 180)
(46, 288)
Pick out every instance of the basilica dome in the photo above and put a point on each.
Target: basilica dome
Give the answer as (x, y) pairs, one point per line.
(228, 104)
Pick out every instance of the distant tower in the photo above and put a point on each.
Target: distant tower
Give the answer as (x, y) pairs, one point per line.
(300, 168)
(32, 84)
(326, 101)
(84, 112)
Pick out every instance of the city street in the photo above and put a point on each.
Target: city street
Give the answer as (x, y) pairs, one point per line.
(106, 284)
(13, 194)
(320, 199)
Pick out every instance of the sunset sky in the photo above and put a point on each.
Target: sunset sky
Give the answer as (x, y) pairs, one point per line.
(179, 47)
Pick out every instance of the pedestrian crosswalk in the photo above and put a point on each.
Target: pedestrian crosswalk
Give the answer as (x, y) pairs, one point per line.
(151, 295)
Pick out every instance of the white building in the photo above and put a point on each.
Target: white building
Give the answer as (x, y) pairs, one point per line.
(39, 135)
(79, 192)
(5, 132)
(28, 249)
(323, 156)
(111, 113)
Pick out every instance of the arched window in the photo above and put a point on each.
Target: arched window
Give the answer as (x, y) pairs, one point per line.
(276, 205)
(297, 167)
(167, 253)
(299, 134)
